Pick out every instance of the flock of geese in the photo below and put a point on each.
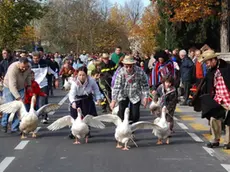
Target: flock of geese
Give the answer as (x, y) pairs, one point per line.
(80, 126)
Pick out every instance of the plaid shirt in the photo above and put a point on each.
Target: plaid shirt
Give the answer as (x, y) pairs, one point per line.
(130, 86)
(222, 95)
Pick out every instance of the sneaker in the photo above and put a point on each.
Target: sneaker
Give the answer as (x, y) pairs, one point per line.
(44, 121)
(71, 136)
(4, 129)
(211, 145)
(226, 146)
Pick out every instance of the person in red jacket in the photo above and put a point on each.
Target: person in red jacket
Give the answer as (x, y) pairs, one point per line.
(35, 90)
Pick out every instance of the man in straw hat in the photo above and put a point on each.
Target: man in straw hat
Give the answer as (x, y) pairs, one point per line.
(130, 84)
(215, 99)
(108, 68)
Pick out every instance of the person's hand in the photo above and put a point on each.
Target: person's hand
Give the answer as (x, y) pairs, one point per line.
(154, 92)
(98, 102)
(112, 104)
(145, 102)
(45, 95)
(56, 83)
(19, 99)
(74, 106)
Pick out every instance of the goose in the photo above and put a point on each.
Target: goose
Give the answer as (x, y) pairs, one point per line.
(29, 120)
(80, 127)
(163, 131)
(123, 131)
(67, 83)
(155, 106)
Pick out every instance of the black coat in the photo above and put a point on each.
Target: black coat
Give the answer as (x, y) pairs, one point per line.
(203, 100)
(4, 64)
(187, 70)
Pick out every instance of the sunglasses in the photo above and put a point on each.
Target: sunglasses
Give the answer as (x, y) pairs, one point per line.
(128, 66)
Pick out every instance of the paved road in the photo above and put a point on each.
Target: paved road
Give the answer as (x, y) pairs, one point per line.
(53, 151)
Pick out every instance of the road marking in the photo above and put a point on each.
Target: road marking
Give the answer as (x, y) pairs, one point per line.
(187, 118)
(182, 126)
(175, 118)
(195, 137)
(209, 150)
(199, 127)
(22, 145)
(60, 103)
(64, 99)
(38, 128)
(5, 163)
(226, 167)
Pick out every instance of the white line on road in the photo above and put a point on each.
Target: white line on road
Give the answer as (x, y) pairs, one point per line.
(175, 118)
(21, 145)
(226, 166)
(209, 150)
(37, 129)
(60, 103)
(195, 137)
(182, 126)
(64, 99)
(5, 163)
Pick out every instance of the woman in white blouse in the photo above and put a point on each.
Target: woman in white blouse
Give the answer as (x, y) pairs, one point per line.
(81, 94)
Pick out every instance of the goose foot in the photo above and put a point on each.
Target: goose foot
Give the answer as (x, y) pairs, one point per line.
(126, 148)
(34, 135)
(159, 142)
(119, 146)
(23, 136)
(167, 141)
(86, 139)
(76, 142)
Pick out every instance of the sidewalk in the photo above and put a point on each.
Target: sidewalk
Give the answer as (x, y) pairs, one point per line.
(193, 120)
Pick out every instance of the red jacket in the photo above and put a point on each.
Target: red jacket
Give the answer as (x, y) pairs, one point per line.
(35, 89)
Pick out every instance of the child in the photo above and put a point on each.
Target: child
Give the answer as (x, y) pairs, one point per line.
(66, 71)
(168, 97)
(96, 75)
(35, 90)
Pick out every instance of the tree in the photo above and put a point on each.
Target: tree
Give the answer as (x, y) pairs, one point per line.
(14, 17)
(147, 30)
(82, 25)
(196, 11)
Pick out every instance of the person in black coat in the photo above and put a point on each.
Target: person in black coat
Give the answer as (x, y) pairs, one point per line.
(214, 105)
(187, 74)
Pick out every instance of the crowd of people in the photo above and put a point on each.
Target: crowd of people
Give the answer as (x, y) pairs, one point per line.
(196, 78)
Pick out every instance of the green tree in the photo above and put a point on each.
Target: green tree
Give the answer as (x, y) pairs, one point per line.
(14, 17)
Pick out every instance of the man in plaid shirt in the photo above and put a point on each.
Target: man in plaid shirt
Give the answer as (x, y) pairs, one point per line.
(215, 104)
(130, 85)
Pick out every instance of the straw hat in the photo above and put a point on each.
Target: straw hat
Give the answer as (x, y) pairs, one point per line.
(207, 55)
(105, 55)
(129, 60)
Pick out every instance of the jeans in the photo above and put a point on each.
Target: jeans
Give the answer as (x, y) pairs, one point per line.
(8, 96)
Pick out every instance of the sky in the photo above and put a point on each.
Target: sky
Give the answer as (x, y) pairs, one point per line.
(145, 2)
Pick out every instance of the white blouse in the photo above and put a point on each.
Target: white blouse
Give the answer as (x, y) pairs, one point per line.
(77, 89)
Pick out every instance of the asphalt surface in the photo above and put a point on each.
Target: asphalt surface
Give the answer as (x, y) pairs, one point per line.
(54, 151)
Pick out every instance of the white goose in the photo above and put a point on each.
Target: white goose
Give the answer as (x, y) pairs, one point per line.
(79, 127)
(29, 120)
(163, 132)
(155, 106)
(124, 130)
(67, 83)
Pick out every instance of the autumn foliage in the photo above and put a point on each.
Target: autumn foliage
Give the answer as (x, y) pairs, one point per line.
(189, 10)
